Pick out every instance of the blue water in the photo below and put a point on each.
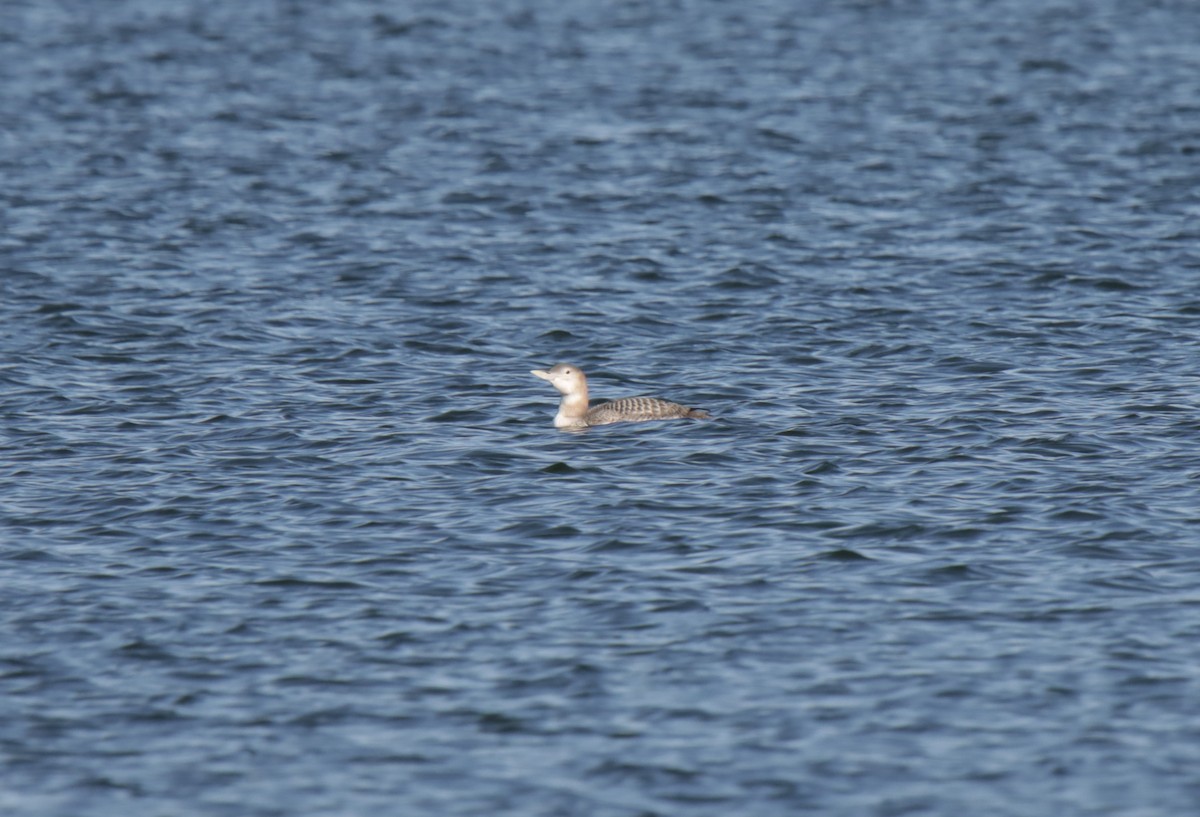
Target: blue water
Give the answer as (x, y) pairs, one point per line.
(286, 527)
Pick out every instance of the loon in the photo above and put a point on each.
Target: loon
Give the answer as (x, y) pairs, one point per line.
(573, 411)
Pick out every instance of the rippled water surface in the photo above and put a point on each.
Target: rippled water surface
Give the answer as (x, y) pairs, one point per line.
(287, 529)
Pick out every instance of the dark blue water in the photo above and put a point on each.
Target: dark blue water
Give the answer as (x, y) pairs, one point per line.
(286, 528)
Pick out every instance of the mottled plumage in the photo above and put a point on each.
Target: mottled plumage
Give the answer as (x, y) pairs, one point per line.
(573, 410)
(637, 409)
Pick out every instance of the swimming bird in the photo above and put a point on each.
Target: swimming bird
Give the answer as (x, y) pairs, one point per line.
(574, 413)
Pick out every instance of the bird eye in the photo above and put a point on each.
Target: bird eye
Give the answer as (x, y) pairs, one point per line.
(568, 371)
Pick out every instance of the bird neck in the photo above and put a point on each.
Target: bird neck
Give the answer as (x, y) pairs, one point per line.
(573, 407)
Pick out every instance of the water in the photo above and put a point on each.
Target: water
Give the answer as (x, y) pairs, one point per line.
(287, 529)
